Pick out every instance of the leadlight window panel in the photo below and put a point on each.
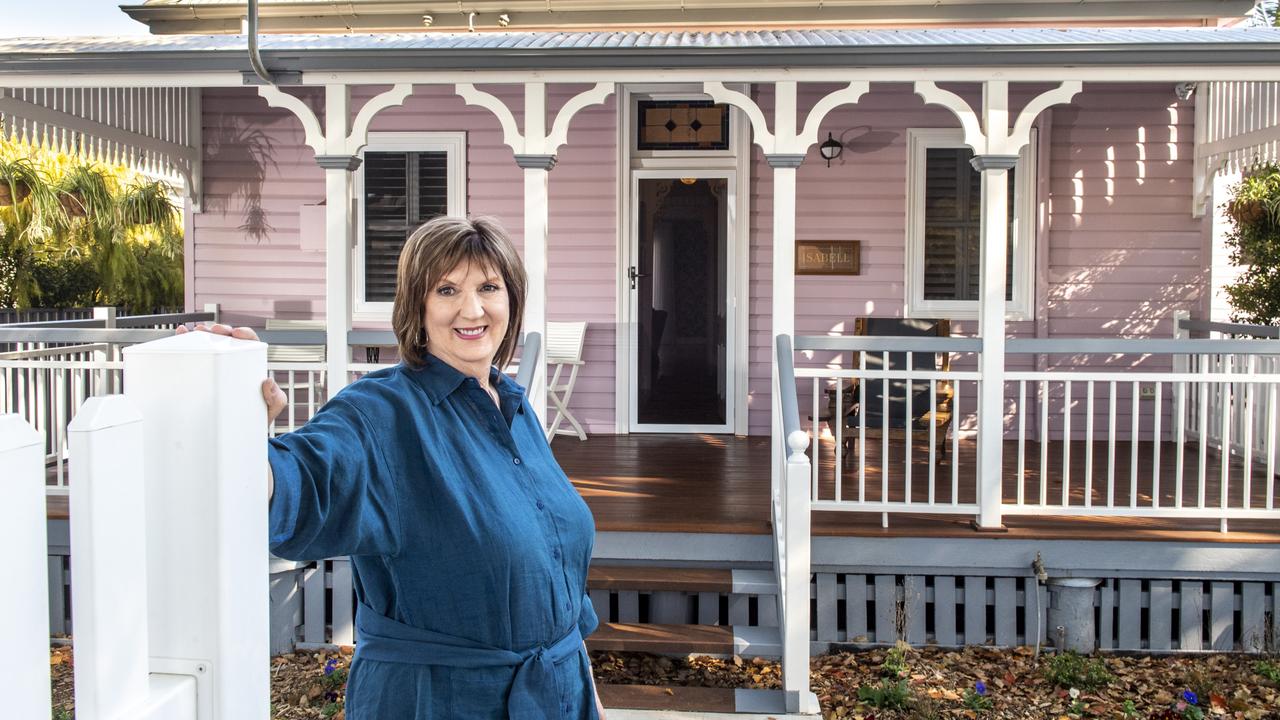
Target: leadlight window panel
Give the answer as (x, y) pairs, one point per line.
(953, 226)
(402, 190)
(681, 125)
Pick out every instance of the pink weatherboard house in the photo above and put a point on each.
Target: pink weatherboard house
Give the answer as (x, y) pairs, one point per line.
(896, 316)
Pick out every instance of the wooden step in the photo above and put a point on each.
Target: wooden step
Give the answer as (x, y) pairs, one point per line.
(686, 640)
(690, 580)
(660, 697)
(691, 699)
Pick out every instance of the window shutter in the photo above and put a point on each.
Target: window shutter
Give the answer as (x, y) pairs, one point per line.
(953, 226)
(402, 190)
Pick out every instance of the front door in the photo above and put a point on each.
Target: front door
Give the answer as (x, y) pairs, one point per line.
(679, 281)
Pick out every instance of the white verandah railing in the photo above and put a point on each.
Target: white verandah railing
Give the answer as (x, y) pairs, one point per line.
(789, 512)
(55, 366)
(58, 365)
(1092, 427)
(876, 485)
(1113, 433)
(1247, 410)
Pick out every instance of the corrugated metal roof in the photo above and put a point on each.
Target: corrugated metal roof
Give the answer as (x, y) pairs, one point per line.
(604, 50)
(1098, 38)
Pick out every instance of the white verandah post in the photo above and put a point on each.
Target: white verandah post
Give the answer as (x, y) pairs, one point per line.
(996, 144)
(337, 146)
(537, 169)
(785, 148)
(337, 239)
(991, 328)
(535, 152)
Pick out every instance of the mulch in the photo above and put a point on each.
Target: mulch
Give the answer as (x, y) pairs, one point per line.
(925, 684)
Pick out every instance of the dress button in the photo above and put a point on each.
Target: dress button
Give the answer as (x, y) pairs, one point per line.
(515, 460)
(555, 554)
(540, 505)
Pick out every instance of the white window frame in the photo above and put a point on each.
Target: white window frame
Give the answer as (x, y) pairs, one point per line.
(1022, 300)
(454, 144)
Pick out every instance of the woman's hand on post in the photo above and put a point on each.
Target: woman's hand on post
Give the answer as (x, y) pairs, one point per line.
(272, 395)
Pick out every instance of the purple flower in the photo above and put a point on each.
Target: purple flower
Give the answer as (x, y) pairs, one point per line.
(330, 665)
(1190, 697)
(980, 688)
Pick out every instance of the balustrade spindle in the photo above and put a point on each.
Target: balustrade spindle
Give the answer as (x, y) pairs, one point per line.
(1088, 444)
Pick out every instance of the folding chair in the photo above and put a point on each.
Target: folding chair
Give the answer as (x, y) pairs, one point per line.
(564, 350)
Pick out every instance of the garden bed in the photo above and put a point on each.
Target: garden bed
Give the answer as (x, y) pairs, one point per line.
(882, 684)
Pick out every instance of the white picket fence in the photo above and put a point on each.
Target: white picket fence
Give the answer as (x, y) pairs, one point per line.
(168, 530)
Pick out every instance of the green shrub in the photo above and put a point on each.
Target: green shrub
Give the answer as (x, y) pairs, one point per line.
(895, 663)
(1269, 669)
(1254, 241)
(888, 695)
(1069, 670)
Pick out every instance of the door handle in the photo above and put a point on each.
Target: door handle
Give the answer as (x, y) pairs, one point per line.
(631, 273)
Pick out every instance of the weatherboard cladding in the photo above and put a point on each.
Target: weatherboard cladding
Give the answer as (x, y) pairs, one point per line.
(258, 172)
(1123, 252)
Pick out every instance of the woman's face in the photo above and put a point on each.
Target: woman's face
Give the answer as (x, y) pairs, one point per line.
(466, 318)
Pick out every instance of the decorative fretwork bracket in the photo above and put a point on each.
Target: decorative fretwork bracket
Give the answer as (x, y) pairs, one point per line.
(334, 138)
(988, 131)
(785, 139)
(535, 140)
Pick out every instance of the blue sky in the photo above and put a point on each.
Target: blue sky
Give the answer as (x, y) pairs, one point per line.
(27, 18)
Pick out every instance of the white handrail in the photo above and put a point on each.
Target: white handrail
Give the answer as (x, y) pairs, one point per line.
(790, 512)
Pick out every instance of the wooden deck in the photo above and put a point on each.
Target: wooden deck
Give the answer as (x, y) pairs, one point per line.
(720, 484)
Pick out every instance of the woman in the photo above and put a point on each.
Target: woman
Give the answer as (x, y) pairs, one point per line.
(468, 543)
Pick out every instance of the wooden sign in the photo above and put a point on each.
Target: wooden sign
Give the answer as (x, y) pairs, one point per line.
(828, 257)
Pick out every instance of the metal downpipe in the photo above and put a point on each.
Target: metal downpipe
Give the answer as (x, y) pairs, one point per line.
(255, 59)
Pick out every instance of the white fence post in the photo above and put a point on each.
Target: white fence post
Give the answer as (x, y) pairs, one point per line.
(24, 605)
(205, 465)
(108, 352)
(108, 542)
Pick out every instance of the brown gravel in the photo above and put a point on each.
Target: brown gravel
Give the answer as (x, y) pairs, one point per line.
(936, 683)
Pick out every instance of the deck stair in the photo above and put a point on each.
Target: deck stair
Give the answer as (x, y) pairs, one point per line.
(684, 611)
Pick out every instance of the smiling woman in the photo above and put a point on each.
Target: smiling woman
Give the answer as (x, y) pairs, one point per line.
(469, 545)
(459, 295)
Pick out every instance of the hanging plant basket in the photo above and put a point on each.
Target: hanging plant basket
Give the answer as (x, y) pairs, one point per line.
(73, 204)
(1246, 211)
(6, 192)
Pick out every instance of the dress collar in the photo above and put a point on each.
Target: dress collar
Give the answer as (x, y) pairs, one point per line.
(439, 379)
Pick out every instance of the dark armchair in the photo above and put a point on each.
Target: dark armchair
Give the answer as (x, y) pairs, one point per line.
(869, 394)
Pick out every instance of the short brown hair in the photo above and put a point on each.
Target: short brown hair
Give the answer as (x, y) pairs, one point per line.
(435, 249)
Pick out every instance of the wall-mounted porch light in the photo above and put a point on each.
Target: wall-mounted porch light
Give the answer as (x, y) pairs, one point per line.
(830, 149)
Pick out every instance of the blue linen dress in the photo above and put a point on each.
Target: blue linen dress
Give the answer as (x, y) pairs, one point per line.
(469, 546)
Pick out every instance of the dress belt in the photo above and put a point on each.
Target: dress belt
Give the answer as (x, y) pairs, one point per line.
(533, 693)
